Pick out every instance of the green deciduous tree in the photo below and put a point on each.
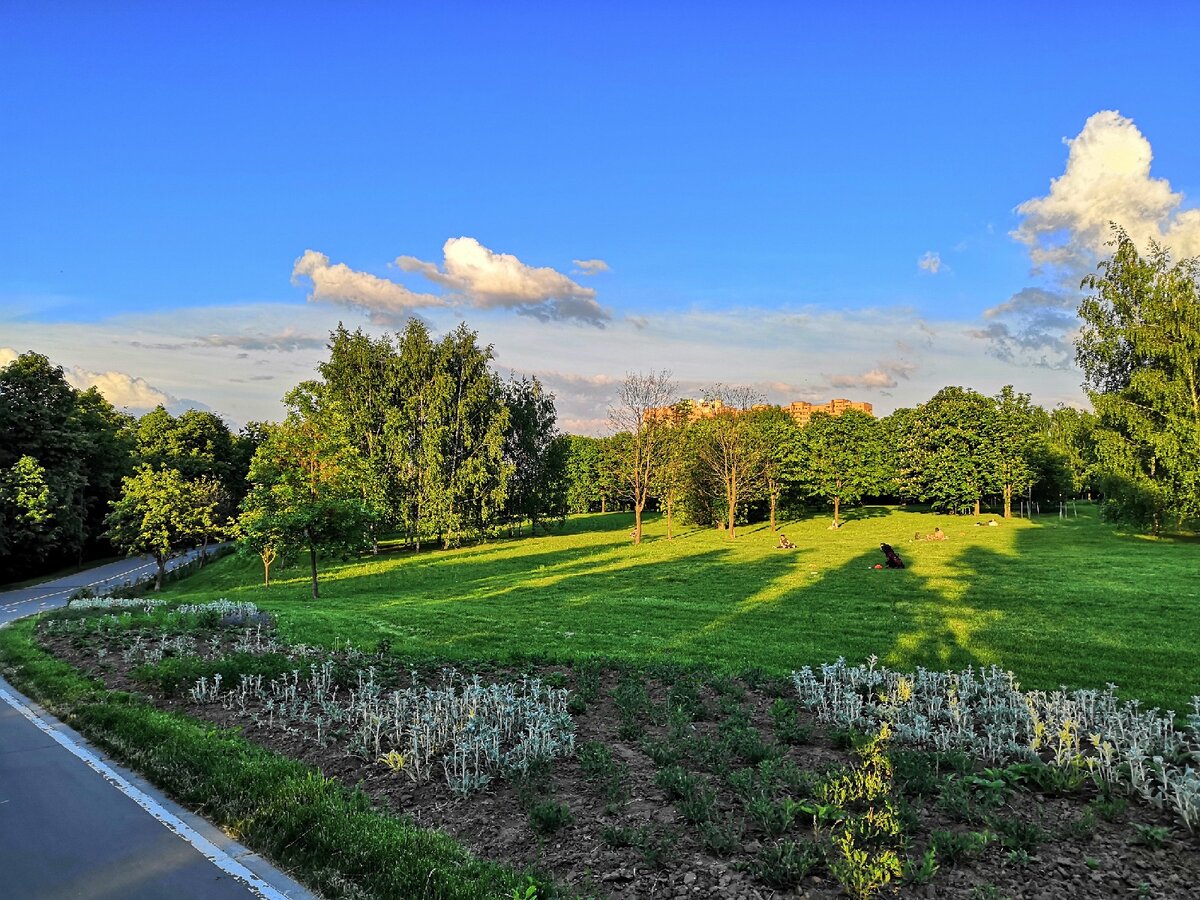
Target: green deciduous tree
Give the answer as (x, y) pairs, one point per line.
(840, 458)
(158, 511)
(306, 482)
(944, 449)
(1070, 433)
(535, 453)
(1016, 442)
(77, 442)
(731, 450)
(781, 441)
(1139, 348)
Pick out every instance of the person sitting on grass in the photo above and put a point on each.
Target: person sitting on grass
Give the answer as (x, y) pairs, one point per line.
(938, 534)
(893, 558)
(784, 543)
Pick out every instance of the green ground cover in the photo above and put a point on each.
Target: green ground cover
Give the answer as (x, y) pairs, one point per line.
(1059, 601)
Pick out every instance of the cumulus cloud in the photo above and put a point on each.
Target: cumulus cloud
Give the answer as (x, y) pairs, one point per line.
(590, 266)
(121, 389)
(384, 301)
(931, 262)
(1107, 180)
(488, 280)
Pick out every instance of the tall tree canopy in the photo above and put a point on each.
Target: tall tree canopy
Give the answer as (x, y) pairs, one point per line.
(945, 449)
(62, 459)
(840, 458)
(535, 452)
(1139, 349)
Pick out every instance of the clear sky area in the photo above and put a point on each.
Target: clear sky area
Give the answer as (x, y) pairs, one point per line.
(868, 201)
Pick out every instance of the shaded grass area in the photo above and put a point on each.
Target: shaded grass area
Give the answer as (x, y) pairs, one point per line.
(1060, 601)
(326, 835)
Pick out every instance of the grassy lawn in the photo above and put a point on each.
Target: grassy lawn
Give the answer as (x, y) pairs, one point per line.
(1061, 602)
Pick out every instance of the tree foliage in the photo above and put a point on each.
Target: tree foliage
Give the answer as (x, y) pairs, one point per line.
(535, 453)
(731, 450)
(1139, 349)
(160, 511)
(840, 458)
(306, 489)
(62, 459)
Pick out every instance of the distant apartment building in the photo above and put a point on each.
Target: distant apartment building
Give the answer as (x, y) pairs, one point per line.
(800, 410)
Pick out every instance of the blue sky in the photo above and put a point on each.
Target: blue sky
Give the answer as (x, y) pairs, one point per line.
(760, 184)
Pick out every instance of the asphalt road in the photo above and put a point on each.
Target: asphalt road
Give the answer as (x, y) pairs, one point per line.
(73, 824)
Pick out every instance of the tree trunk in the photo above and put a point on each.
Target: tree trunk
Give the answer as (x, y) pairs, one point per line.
(637, 520)
(774, 500)
(837, 508)
(161, 575)
(732, 510)
(266, 572)
(1008, 492)
(312, 556)
(603, 504)
(670, 537)
(977, 507)
(203, 552)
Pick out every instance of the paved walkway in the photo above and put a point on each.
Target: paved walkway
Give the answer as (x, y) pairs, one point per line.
(74, 824)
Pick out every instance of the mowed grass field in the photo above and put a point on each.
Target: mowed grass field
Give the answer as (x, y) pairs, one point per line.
(1059, 601)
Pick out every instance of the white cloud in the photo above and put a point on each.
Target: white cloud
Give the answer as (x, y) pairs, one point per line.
(874, 379)
(931, 262)
(488, 280)
(1107, 179)
(384, 301)
(122, 390)
(590, 266)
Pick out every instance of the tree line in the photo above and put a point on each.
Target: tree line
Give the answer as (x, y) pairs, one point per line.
(408, 436)
(80, 480)
(744, 462)
(403, 435)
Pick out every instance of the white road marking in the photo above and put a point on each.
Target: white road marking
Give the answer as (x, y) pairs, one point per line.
(210, 851)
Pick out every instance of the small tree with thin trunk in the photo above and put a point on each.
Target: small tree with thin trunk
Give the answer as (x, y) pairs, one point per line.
(780, 437)
(306, 482)
(730, 448)
(155, 514)
(671, 473)
(636, 415)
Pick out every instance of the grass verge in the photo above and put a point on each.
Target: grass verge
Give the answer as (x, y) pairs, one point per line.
(326, 835)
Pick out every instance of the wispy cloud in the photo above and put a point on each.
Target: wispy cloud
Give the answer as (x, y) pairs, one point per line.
(590, 266)
(931, 262)
(876, 378)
